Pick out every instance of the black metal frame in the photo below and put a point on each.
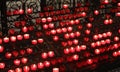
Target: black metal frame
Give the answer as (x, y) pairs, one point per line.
(3, 17)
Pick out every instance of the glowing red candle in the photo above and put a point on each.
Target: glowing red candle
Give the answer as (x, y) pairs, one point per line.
(75, 57)
(118, 4)
(53, 32)
(115, 54)
(72, 35)
(15, 12)
(72, 22)
(17, 62)
(118, 14)
(24, 60)
(51, 25)
(98, 43)
(69, 42)
(55, 70)
(108, 41)
(80, 27)
(115, 46)
(44, 20)
(93, 44)
(66, 36)
(100, 36)
(89, 25)
(51, 54)
(118, 52)
(33, 67)
(55, 38)
(8, 55)
(6, 39)
(64, 30)
(77, 21)
(65, 6)
(109, 33)
(24, 29)
(34, 42)
(26, 69)
(18, 70)
(46, 63)
(22, 52)
(15, 53)
(44, 55)
(106, 1)
(1, 49)
(29, 50)
(103, 42)
(40, 40)
(96, 12)
(83, 14)
(89, 61)
(2, 65)
(45, 26)
(19, 37)
(106, 21)
(13, 39)
(69, 29)
(72, 49)
(64, 44)
(21, 11)
(59, 30)
(26, 36)
(11, 31)
(77, 34)
(75, 41)
(29, 10)
(78, 49)
(97, 51)
(83, 47)
(40, 65)
(49, 19)
(116, 38)
(110, 21)
(87, 32)
(104, 35)
(66, 51)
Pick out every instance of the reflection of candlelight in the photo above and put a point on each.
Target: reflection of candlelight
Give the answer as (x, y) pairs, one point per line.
(55, 69)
